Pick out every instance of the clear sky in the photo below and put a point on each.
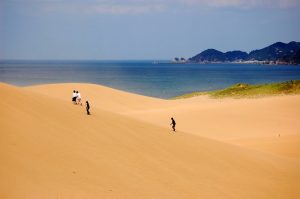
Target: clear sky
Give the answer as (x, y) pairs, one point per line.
(141, 29)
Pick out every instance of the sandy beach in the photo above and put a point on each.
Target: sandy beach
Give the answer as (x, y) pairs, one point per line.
(223, 148)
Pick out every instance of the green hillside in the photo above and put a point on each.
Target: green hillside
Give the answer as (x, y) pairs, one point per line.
(246, 90)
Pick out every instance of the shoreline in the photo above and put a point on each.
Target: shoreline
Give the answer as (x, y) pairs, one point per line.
(160, 80)
(238, 88)
(245, 62)
(236, 91)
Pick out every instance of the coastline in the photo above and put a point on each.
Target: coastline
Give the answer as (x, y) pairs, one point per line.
(254, 62)
(163, 80)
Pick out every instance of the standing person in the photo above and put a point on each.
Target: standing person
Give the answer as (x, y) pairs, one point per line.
(78, 98)
(87, 108)
(173, 123)
(74, 97)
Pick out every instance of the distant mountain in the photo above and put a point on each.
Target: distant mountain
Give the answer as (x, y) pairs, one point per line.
(276, 53)
(296, 58)
(212, 55)
(209, 55)
(235, 55)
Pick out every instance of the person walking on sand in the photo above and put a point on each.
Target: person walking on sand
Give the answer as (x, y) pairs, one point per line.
(74, 97)
(87, 108)
(173, 123)
(78, 98)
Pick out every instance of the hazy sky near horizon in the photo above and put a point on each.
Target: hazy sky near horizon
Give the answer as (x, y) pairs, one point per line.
(142, 29)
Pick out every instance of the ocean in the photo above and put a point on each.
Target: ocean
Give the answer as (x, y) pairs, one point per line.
(157, 79)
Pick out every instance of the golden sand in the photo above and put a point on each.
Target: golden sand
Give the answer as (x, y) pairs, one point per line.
(228, 148)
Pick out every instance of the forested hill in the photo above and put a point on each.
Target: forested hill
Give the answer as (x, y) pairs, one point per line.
(276, 53)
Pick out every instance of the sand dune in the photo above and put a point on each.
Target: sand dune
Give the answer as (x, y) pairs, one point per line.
(229, 120)
(51, 149)
(288, 145)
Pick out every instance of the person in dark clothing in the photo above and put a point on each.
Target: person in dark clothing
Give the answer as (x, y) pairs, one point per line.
(87, 107)
(173, 123)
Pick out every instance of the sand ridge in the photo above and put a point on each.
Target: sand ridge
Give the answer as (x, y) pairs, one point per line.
(238, 118)
(51, 149)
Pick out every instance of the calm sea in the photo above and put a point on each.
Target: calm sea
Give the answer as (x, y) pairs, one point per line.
(157, 79)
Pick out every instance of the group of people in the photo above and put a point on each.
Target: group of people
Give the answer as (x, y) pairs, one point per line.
(76, 99)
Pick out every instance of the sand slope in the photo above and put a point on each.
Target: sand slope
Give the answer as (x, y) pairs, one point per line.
(230, 120)
(288, 145)
(51, 149)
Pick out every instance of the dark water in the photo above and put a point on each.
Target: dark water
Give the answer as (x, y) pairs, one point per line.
(161, 80)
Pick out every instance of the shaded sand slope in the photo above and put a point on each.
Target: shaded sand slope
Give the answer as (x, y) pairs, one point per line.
(230, 120)
(51, 149)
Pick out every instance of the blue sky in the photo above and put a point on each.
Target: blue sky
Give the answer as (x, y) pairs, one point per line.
(141, 29)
